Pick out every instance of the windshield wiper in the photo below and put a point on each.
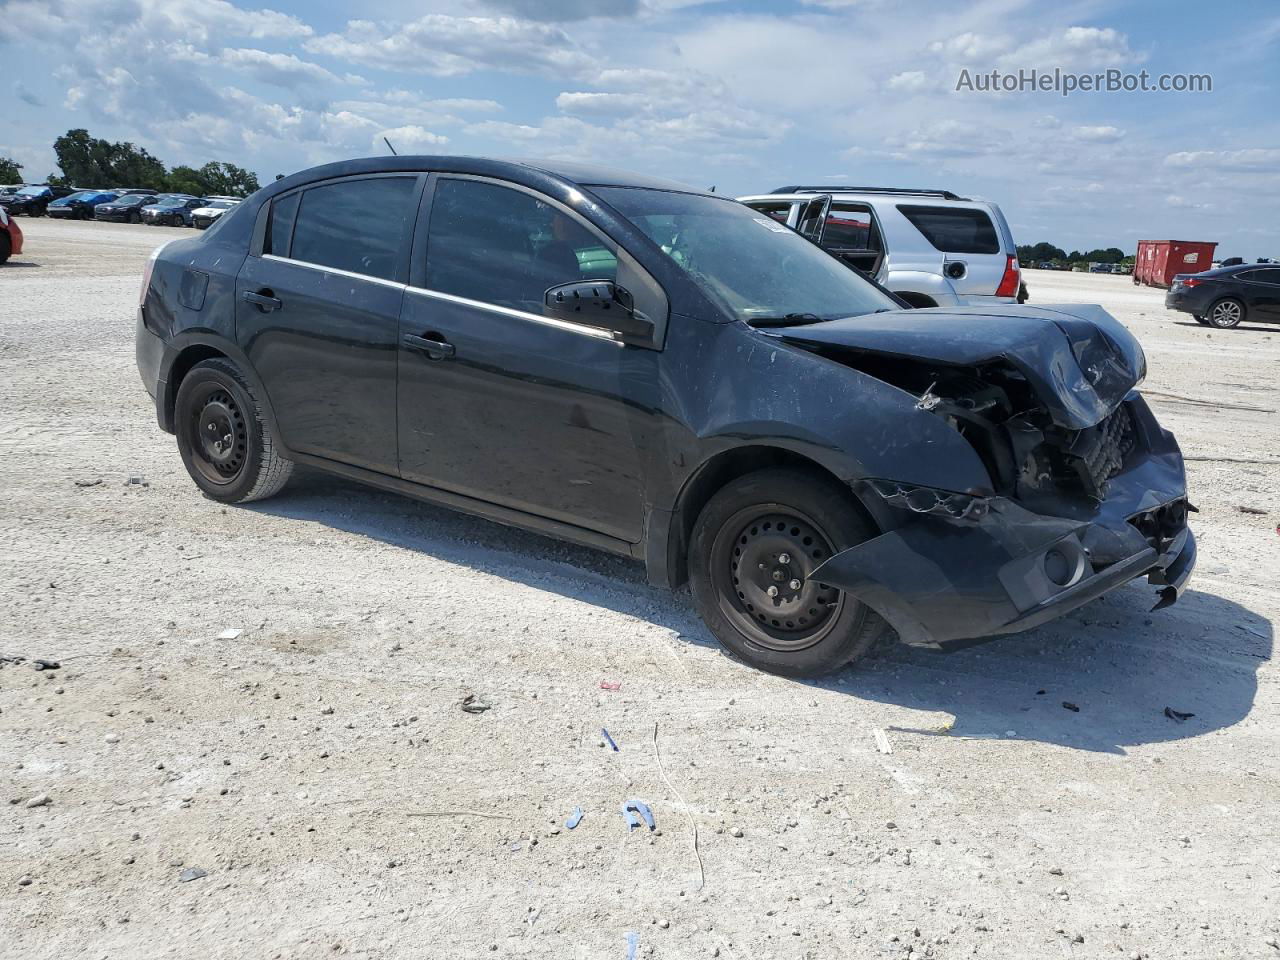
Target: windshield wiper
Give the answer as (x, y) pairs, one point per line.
(789, 320)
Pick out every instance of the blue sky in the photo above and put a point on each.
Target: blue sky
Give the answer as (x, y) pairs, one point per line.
(743, 94)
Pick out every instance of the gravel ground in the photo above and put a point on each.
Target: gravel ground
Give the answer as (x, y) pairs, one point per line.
(319, 771)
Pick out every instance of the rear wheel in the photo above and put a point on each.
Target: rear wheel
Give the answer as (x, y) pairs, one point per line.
(224, 437)
(754, 548)
(6, 246)
(1226, 313)
(1200, 319)
(135, 217)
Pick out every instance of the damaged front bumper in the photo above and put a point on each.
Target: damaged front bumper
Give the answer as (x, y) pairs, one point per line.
(954, 572)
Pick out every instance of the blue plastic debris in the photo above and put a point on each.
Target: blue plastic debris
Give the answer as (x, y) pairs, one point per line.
(609, 740)
(574, 818)
(633, 943)
(632, 807)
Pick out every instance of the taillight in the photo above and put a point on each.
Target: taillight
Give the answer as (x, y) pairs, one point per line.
(1009, 282)
(1192, 282)
(146, 274)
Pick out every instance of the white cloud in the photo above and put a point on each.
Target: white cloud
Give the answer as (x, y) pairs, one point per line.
(910, 81)
(446, 46)
(409, 139)
(968, 47)
(1097, 134)
(1261, 160)
(1075, 48)
(281, 69)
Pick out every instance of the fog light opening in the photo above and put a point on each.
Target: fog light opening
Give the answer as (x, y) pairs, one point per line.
(1064, 564)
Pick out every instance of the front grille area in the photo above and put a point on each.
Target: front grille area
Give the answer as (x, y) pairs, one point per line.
(1098, 454)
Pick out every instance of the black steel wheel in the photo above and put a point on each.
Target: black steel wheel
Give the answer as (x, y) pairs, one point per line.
(135, 217)
(224, 435)
(754, 550)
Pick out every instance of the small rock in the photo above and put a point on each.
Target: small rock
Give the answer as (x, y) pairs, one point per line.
(112, 738)
(39, 800)
(473, 704)
(736, 832)
(1055, 871)
(891, 825)
(327, 712)
(191, 873)
(25, 880)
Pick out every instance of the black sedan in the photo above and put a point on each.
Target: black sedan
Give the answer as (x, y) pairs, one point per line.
(1228, 296)
(33, 199)
(125, 209)
(660, 372)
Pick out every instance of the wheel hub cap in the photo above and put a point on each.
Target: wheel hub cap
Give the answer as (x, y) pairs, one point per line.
(221, 434)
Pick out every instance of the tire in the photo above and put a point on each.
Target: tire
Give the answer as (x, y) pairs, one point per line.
(215, 393)
(6, 247)
(1200, 319)
(758, 519)
(1226, 313)
(135, 217)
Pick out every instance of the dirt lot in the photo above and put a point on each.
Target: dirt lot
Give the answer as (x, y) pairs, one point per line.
(319, 769)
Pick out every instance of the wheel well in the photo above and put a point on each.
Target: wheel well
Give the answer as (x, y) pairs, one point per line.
(182, 365)
(917, 300)
(720, 470)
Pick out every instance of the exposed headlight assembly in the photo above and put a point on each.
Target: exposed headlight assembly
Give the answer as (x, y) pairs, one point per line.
(938, 503)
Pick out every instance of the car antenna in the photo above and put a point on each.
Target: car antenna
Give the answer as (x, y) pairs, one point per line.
(712, 188)
(390, 147)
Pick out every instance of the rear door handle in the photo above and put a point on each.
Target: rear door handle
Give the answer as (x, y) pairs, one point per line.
(264, 302)
(435, 349)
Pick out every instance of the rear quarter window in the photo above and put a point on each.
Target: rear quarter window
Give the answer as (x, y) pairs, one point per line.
(954, 229)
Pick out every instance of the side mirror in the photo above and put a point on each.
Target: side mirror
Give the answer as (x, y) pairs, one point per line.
(597, 303)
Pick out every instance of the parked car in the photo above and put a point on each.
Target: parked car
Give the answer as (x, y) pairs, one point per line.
(79, 206)
(124, 209)
(203, 217)
(10, 236)
(33, 199)
(642, 367)
(1228, 296)
(171, 209)
(930, 247)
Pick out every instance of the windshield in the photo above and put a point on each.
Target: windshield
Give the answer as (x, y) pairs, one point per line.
(33, 191)
(220, 205)
(171, 201)
(131, 199)
(755, 267)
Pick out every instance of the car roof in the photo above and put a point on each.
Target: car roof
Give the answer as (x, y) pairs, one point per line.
(576, 174)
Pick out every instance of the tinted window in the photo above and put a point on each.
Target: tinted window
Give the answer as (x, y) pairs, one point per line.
(505, 247)
(280, 229)
(357, 225)
(954, 229)
(744, 260)
(1263, 276)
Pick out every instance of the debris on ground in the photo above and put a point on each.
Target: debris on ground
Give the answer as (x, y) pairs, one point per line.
(633, 944)
(472, 703)
(1068, 705)
(231, 633)
(575, 818)
(633, 807)
(610, 686)
(137, 480)
(882, 741)
(1256, 511)
(609, 740)
(39, 800)
(191, 873)
(46, 665)
(1178, 715)
(94, 482)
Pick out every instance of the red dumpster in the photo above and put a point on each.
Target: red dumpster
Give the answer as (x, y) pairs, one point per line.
(1159, 261)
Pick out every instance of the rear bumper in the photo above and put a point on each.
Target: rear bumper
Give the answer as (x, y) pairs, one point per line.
(944, 582)
(148, 350)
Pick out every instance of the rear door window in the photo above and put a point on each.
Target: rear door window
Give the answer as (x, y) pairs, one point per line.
(1263, 276)
(361, 226)
(280, 227)
(849, 227)
(954, 229)
(502, 246)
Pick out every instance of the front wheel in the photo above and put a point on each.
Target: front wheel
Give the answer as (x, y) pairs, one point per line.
(135, 217)
(224, 436)
(1226, 313)
(754, 548)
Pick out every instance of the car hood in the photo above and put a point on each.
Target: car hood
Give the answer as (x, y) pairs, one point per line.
(1079, 360)
(209, 211)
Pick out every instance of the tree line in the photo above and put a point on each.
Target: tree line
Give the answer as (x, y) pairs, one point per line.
(1038, 252)
(87, 161)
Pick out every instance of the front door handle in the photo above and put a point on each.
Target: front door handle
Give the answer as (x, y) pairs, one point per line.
(435, 349)
(263, 301)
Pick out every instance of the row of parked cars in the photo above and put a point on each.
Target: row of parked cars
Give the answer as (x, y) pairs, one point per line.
(133, 205)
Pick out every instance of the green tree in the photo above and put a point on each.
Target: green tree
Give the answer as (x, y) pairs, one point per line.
(93, 162)
(10, 171)
(227, 179)
(183, 179)
(1034, 253)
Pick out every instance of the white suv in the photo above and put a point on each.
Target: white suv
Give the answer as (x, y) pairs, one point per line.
(930, 247)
